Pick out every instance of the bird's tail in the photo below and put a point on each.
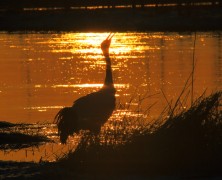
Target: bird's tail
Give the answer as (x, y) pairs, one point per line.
(65, 120)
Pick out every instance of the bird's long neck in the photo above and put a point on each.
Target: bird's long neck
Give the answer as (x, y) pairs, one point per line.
(109, 76)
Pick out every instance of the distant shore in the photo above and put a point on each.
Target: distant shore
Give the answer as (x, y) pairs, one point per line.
(128, 19)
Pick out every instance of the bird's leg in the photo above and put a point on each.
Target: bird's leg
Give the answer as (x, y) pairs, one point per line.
(85, 139)
(95, 139)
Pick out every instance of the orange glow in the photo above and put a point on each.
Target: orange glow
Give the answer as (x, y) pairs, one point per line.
(52, 70)
(41, 73)
(89, 86)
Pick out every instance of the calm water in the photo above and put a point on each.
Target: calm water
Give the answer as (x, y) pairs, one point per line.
(42, 72)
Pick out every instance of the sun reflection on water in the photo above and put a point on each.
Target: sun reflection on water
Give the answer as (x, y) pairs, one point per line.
(44, 72)
(88, 85)
(88, 44)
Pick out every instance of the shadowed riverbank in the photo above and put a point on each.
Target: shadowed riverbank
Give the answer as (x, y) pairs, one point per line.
(202, 18)
(187, 145)
(16, 136)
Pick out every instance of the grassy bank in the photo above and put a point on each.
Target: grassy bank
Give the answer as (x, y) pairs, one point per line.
(185, 143)
(202, 18)
(181, 143)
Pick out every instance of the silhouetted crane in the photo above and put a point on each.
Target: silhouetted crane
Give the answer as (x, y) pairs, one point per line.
(89, 112)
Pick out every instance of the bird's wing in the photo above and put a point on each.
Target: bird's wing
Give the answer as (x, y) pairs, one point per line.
(94, 109)
(88, 98)
(94, 102)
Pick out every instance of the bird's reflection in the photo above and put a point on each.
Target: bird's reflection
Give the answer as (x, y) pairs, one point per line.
(89, 112)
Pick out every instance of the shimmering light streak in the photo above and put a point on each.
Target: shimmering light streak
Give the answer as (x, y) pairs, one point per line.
(43, 72)
(42, 108)
(87, 85)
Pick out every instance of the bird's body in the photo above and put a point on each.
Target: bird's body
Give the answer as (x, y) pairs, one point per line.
(89, 112)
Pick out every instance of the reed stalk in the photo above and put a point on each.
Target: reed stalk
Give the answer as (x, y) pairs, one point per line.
(193, 68)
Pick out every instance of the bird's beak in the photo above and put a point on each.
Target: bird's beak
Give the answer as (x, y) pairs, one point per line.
(110, 36)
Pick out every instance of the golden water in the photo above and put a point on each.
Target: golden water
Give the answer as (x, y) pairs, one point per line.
(43, 72)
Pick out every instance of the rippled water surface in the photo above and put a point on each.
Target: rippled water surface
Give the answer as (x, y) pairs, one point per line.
(43, 72)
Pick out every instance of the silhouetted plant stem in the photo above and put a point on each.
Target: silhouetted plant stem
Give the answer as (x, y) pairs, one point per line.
(168, 103)
(193, 67)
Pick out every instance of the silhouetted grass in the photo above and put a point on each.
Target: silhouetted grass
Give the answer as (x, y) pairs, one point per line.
(186, 143)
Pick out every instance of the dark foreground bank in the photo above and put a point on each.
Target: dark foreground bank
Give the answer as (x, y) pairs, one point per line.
(198, 18)
(188, 145)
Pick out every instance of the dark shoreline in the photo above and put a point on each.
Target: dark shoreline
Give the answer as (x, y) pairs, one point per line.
(146, 19)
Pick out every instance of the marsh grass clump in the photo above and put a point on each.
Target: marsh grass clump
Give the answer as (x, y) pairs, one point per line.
(190, 141)
(186, 143)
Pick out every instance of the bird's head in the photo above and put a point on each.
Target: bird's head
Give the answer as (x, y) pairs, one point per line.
(106, 44)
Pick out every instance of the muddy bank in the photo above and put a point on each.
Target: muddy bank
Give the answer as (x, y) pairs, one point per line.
(16, 136)
(146, 19)
(18, 170)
